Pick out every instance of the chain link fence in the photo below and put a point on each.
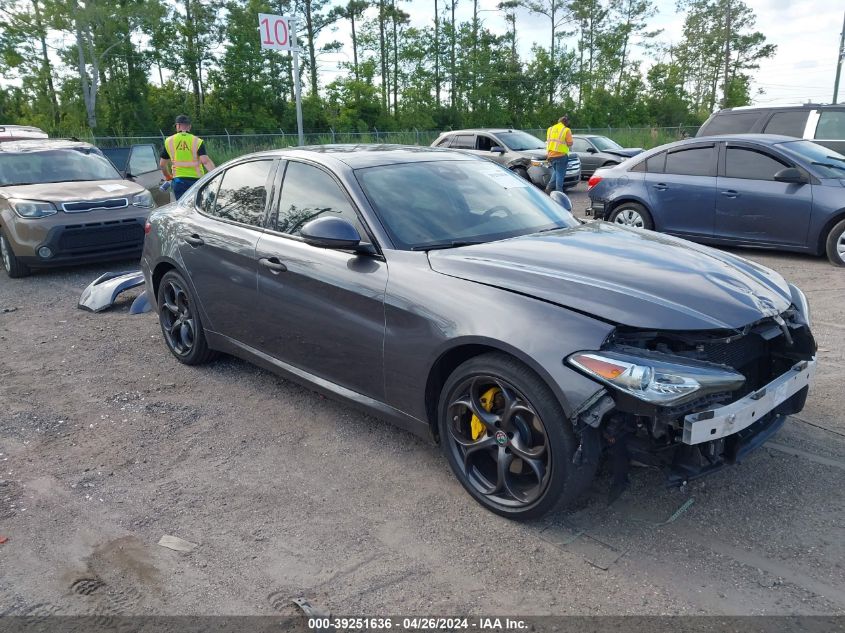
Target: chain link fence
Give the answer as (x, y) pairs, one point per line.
(228, 145)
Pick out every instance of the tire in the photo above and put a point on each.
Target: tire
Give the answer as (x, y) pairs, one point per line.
(537, 429)
(522, 173)
(835, 245)
(11, 264)
(632, 214)
(180, 321)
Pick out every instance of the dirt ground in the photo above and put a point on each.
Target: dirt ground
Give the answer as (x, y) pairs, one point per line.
(107, 444)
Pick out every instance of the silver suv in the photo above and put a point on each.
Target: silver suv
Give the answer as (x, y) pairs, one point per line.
(519, 151)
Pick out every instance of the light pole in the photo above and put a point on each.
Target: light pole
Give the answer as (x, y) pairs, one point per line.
(839, 60)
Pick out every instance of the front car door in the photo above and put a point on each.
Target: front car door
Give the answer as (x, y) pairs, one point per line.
(322, 310)
(682, 189)
(589, 159)
(217, 245)
(142, 167)
(751, 206)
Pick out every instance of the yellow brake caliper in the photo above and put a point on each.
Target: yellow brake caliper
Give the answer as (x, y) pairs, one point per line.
(475, 425)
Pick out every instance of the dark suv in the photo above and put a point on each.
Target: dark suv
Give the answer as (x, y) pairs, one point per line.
(823, 124)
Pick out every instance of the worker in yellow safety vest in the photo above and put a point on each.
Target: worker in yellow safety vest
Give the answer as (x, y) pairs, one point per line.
(184, 159)
(558, 142)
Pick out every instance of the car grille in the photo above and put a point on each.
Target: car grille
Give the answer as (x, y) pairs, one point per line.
(92, 205)
(101, 236)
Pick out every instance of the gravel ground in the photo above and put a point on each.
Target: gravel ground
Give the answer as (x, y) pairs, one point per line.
(107, 444)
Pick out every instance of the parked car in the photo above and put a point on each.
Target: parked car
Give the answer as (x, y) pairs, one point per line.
(823, 124)
(63, 202)
(139, 163)
(519, 151)
(742, 190)
(528, 343)
(20, 132)
(599, 151)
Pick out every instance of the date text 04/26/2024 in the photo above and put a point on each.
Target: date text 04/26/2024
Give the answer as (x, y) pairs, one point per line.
(417, 624)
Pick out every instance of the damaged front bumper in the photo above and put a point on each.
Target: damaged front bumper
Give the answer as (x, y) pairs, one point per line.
(715, 424)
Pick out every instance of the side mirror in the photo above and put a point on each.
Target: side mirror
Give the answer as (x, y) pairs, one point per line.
(791, 175)
(592, 150)
(497, 149)
(562, 199)
(331, 232)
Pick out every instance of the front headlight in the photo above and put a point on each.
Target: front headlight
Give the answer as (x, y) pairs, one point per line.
(800, 301)
(539, 163)
(655, 380)
(143, 199)
(33, 208)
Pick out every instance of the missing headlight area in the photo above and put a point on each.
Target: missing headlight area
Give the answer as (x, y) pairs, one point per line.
(704, 428)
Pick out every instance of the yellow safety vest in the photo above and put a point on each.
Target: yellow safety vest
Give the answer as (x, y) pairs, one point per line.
(184, 160)
(556, 139)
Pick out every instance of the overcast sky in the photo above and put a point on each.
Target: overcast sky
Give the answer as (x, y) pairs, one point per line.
(806, 33)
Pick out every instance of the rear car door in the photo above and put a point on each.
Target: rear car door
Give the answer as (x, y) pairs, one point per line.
(142, 167)
(683, 189)
(752, 206)
(217, 245)
(321, 310)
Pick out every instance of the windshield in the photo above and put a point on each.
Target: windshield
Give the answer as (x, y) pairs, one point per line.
(445, 203)
(519, 141)
(603, 143)
(826, 163)
(60, 165)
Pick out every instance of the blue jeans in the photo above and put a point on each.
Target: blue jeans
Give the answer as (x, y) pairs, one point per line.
(181, 185)
(559, 167)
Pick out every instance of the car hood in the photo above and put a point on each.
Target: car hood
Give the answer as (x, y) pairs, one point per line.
(627, 276)
(536, 154)
(73, 191)
(627, 152)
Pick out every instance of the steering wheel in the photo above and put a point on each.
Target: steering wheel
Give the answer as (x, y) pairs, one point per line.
(499, 208)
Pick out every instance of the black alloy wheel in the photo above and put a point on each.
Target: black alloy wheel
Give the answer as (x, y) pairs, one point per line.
(180, 321)
(507, 440)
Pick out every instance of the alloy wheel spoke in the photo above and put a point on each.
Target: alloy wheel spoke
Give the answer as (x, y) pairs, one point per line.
(475, 447)
(525, 452)
(503, 464)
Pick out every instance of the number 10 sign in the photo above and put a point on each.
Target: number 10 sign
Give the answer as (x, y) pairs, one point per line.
(277, 32)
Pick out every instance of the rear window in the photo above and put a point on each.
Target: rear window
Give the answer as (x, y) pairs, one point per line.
(831, 125)
(730, 123)
(788, 123)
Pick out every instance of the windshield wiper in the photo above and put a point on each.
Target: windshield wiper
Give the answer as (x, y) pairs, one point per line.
(442, 245)
(831, 165)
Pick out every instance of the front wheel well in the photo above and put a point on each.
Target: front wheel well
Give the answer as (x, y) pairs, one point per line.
(443, 367)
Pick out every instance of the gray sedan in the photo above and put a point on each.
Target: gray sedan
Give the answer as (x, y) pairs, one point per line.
(599, 151)
(447, 295)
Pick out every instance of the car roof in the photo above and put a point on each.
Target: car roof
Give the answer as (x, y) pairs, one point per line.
(42, 145)
(358, 156)
(476, 130)
(766, 139)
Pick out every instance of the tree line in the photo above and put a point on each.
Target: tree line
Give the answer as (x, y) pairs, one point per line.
(125, 67)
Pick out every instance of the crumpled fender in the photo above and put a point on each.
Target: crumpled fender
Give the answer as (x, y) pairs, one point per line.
(102, 292)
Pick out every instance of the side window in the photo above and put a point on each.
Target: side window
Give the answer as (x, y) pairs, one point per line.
(242, 196)
(788, 123)
(444, 142)
(484, 143)
(208, 196)
(308, 193)
(831, 125)
(654, 164)
(746, 163)
(699, 161)
(580, 145)
(731, 123)
(463, 141)
(143, 160)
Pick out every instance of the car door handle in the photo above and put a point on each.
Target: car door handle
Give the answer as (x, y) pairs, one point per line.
(273, 265)
(194, 240)
(730, 193)
(660, 186)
